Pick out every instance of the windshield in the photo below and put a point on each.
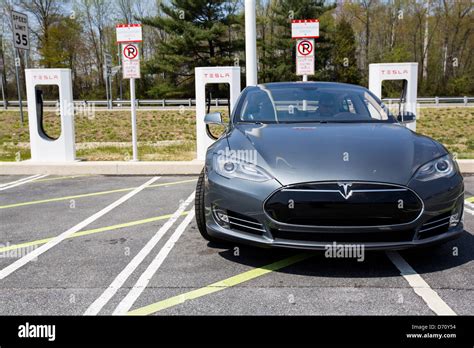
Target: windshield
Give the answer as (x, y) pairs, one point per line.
(299, 104)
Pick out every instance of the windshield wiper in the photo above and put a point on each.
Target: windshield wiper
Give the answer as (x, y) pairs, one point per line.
(254, 122)
(296, 122)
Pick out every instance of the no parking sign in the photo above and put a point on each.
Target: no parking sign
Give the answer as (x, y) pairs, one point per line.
(130, 61)
(305, 31)
(305, 48)
(305, 57)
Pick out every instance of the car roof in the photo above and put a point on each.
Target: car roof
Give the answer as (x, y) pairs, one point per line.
(311, 84)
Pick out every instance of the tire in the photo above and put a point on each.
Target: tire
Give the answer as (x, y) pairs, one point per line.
(200, 209)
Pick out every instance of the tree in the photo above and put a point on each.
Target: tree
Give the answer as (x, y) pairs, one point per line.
(96, 14)
(277, 49)
(46, 13)
(344, 54)
(197, 34)
(62, 46)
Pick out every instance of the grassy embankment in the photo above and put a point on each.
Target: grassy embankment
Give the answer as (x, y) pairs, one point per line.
(170, 135)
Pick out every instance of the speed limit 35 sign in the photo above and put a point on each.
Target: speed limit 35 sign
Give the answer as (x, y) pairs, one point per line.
(21, 38)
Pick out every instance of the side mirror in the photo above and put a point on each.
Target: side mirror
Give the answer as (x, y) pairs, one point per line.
(213, 118)
(406, 117)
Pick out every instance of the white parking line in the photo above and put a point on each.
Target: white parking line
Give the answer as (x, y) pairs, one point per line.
(118, 282)
(127, 303)
(469, 207)
(419, 285)
(21, 181)
(37, 252)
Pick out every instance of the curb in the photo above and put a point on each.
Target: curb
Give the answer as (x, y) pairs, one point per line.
(128, 168)
(466, 166)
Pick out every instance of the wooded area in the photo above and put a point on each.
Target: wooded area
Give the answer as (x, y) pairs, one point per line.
(180, 35)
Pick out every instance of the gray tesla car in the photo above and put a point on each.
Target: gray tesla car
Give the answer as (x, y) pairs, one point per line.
(307, 164)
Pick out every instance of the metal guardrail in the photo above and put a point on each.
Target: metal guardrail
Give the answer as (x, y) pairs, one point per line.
(123, 103)
(436, 100)
(163, 103)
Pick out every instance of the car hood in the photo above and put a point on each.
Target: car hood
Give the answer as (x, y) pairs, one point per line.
(378, 152)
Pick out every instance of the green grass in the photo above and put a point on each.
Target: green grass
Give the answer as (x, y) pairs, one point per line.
(171, 135)
(453, 127)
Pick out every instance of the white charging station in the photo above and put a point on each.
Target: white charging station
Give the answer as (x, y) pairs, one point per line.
(206, 76)
(43, 147)
(396, 71)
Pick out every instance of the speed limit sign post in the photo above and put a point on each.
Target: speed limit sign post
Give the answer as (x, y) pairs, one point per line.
(21, 41)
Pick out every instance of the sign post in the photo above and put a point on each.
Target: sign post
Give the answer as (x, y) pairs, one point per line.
(2, 69)
(107, 78)
(129, 35)
(21, 41)
(305, 31)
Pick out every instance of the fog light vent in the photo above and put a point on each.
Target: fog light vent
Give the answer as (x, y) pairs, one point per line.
(221, 216)
(454, 220)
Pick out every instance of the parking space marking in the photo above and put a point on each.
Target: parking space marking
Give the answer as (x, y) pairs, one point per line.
(141, 284)
(92, 194)
(19, 180)
(421, 288)
(219, 286)
(64, 177)
(118, 282)
(470, 199)
(89, 232)
(22, 181)
(45, 247)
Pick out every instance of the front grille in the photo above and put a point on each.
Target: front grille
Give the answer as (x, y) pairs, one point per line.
(244, 223)
(345, 237)
(356, 204)
(435, 226)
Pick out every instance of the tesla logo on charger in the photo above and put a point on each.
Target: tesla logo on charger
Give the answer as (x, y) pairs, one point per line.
(216, 75)
(394, 72)
(345, 187)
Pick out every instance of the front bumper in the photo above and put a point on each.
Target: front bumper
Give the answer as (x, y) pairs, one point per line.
(249, 224)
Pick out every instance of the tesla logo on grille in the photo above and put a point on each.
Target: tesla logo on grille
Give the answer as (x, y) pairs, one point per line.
(345, 192)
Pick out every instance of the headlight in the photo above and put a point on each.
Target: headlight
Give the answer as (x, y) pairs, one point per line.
(230, 168)
(441, 167)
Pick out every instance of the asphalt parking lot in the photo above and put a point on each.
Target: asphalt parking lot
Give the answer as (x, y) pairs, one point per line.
(109, 245)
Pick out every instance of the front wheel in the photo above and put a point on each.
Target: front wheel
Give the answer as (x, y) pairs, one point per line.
(201, 210)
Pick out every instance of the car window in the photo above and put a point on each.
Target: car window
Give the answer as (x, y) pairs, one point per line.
(257, 106)
(301, 103)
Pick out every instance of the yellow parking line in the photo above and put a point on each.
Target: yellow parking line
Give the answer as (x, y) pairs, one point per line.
(63, 177)
(470, 199)
(221, 285)
(88, 232)
(93, 194)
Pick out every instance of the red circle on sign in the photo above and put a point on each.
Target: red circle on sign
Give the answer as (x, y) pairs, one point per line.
(130, 51)
(305, 47)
